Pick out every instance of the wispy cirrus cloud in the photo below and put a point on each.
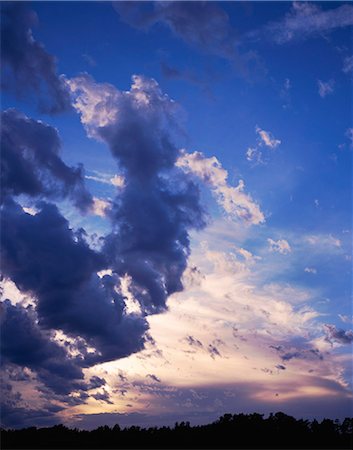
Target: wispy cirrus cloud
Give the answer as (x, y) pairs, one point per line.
(306, 20)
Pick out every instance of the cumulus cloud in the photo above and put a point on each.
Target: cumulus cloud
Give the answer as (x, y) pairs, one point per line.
(233, 199)
(281, 246)
(25, 344)
(47, 260)
(31, 163)
(28, 69)
(306, 20)
(159, 203)
(325, 87)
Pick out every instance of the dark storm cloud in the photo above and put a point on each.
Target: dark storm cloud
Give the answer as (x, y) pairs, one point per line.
(334, 334)
(28, 69)
(25, 344)
(201, 24)
(152, 244)
(159, 204)
(31, 164)
(45, 258)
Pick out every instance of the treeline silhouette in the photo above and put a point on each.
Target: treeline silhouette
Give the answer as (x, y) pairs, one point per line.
(229, 431)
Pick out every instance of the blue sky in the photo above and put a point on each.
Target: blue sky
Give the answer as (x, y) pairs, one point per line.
(214, 202)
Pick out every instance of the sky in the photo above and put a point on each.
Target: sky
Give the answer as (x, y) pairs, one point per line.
(176, 211)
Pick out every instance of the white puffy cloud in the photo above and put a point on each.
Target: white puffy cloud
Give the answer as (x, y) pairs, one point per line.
(100, 104)
(233, 199)
(281, 246)
(96, 103)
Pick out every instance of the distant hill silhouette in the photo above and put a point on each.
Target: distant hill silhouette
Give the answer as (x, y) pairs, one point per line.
(229, 431)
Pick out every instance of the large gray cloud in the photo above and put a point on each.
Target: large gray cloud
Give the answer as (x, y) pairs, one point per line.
(46, 259)
(159, 204)
(27, 68)
(31, 163)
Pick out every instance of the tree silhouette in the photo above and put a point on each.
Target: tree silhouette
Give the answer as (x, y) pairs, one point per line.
(246, 431)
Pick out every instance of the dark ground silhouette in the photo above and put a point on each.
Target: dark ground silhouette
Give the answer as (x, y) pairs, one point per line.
(229, 431)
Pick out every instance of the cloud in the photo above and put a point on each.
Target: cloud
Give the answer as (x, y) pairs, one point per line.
(310, 270)
(334, 334)
(345, 318)
(267, 139)
(325, 88)
(306, 20)
(348, 64)
(202, 25)
(31, 165)
(153, 377)
(349, 136)
(100, 206)
(28, 69)
(103, 397)
(285, 93)
(253, 154)
(233, 200)
(193, 342)
(281, 246)
(118, 181)
(25, 344)
(323, 240)
(159, 203)
(47, 260)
